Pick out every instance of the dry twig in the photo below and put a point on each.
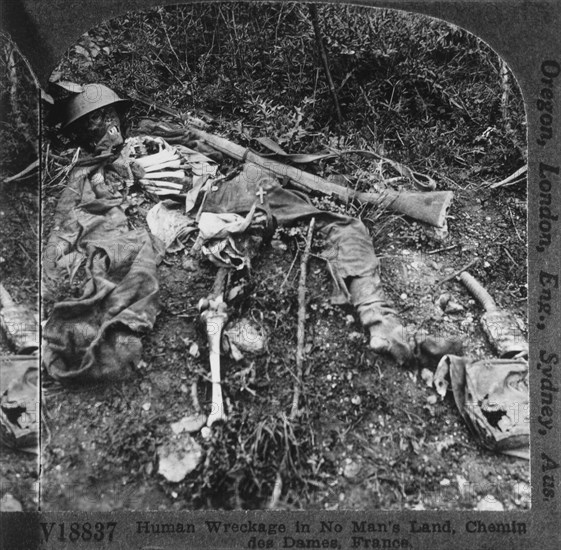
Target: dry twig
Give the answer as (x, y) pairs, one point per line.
(300, 340)
(323, 53)
(459, 272)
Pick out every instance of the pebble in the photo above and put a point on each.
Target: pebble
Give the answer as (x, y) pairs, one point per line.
(194, 350)
(351, 469)
(453, 307)
(403, 296)
(443, 300)
(356, 400)
(277, 244)
(463, 485)
(188, 264)
(179, 457)
(432, 399)
(445, 482)
(489, 504)
(146, 406)
(427, 377)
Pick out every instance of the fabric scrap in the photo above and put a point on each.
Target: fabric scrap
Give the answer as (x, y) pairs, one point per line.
(170, 225)
(96, 337)
(493, 398)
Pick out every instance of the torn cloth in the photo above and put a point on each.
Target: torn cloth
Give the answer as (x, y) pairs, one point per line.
(492, 397)
(350, 253)
(350, 257)
(169, 224)
(96, 337)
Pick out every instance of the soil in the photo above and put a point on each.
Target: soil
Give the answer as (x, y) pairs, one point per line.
(369, 433)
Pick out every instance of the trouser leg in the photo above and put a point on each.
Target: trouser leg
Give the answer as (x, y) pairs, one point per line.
(350, 254)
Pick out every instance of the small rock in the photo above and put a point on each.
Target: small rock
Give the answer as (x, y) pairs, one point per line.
(277, 244)
(432, 399)
(349, 320)
(351, 469)
(146, 406)
(189, 424)
(205, 432)
(194, 350)
(356, 400)
(489, 504)
(445, 482)
(355, 336)
(443, 300)
(188, 264)
(522, 494)
(403, 296)
(463, 485)
(453, 307)
(178, 457)
(10, 504)
(427, 376)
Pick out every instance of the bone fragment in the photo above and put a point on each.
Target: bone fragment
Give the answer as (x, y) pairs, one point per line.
(215, 317)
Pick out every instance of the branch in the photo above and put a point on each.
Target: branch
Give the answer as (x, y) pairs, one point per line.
(323, 53)
(300, 341)
(301, 332)
(456, 273)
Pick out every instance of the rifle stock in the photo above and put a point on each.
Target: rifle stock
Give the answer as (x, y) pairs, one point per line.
(429, 207)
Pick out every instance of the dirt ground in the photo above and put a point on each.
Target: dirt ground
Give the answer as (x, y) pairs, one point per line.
(371, 435)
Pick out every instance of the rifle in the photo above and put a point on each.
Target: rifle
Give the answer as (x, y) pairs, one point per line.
(429, 206)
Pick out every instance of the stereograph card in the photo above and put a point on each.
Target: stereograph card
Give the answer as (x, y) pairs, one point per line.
(355, 497)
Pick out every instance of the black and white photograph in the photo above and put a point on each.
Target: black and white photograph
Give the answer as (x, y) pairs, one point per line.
(274, 257)
(220, 331)
(19, 282)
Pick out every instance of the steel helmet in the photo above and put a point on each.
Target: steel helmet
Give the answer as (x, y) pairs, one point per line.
(91, 98)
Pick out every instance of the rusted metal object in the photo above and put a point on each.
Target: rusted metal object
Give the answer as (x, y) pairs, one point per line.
(501, 327)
